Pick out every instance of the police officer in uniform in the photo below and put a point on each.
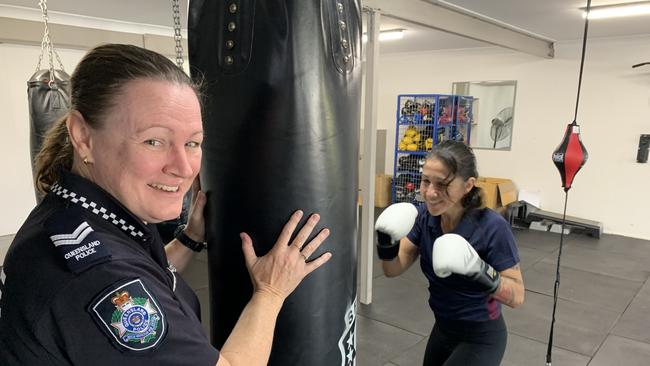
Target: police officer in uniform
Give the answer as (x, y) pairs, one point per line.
(87, 280)
(467, 253)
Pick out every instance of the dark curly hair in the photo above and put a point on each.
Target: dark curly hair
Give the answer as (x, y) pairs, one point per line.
(459, 159)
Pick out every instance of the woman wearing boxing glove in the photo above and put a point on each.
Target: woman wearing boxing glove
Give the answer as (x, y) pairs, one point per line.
(467, 253)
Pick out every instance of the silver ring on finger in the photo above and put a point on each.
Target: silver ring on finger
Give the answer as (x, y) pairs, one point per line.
(304, 256)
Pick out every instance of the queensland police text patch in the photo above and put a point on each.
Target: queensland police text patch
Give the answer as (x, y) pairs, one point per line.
(130, 316)
(77, 243)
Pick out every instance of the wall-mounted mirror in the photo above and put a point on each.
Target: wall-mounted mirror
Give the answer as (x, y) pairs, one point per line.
(493, 112)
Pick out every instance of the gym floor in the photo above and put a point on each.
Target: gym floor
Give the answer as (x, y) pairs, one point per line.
(603, 314)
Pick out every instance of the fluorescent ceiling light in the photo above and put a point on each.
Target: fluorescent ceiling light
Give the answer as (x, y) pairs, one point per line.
(617, 10)
(387, 35)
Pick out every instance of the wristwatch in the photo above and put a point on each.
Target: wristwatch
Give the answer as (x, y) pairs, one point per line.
(180, 235)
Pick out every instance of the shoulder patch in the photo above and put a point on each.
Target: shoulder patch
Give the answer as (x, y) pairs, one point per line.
(77, 243)
(130, 316)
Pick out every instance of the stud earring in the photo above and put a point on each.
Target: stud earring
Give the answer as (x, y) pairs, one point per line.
(86, 161)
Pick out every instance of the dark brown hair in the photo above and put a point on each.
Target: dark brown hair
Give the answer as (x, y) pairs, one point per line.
(95, 84)
(459, 159)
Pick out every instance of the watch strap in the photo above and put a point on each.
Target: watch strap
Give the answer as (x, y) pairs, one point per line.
(196, 246)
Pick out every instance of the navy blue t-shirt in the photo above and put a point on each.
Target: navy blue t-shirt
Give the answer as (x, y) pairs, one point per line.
(456, 297)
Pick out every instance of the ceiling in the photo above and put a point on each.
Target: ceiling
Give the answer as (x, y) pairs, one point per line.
(558, 20)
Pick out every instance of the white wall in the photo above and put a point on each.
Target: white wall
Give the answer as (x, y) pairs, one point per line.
(614, 110)
(17, 64)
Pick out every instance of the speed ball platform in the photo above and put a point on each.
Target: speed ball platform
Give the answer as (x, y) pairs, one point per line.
(524, 213)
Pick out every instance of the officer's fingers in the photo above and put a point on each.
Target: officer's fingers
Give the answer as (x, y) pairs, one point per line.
(249, 252)
(199, 203)
(288, 230)
(311, 247)
(305, 231)
(196, 187)
(196, 220)
(312, 265)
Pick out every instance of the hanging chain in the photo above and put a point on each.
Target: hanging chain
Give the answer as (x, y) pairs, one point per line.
(47, 46)
(177, 33)
(45, 43)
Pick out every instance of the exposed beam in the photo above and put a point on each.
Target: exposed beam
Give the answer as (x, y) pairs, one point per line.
(30, 32)
(443, 18)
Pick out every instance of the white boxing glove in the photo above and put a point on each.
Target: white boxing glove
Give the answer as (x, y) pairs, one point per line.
(453, 254)
(394, 223)
(397, 220)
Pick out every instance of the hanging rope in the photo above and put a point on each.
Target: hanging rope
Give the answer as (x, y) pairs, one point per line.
(176, 12)
(569, 158)
(582, 60)
(556, 288)
(48, 46)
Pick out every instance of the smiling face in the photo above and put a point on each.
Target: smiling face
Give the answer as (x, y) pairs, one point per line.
(149, 150)
(442, 195)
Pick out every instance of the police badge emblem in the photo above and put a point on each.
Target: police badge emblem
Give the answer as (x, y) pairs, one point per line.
(130, 314)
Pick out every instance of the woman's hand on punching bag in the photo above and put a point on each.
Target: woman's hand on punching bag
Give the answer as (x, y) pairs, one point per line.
(195, 219)
(281, 270)
(190, 237)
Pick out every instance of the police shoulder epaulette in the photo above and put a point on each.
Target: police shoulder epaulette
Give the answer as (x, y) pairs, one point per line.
(76, 242)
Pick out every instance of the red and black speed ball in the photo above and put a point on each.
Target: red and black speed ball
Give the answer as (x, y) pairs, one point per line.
(571, 155)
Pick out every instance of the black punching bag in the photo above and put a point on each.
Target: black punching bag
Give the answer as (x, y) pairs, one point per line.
(281, 122)
(49, 99)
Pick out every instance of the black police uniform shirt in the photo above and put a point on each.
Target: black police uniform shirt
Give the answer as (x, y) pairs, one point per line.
(457, 297)
(87, 283)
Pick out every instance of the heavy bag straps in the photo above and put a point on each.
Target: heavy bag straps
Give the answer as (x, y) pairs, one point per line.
(340, 15)
(46, 44)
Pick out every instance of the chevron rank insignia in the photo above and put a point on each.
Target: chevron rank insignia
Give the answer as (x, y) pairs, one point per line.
(130, 315)
(77, 243)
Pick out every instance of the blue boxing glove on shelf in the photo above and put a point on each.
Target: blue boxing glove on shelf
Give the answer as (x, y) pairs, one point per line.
(453, 254)
(392, 225)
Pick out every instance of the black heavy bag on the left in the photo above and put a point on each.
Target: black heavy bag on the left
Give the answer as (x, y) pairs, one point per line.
(49, 99)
